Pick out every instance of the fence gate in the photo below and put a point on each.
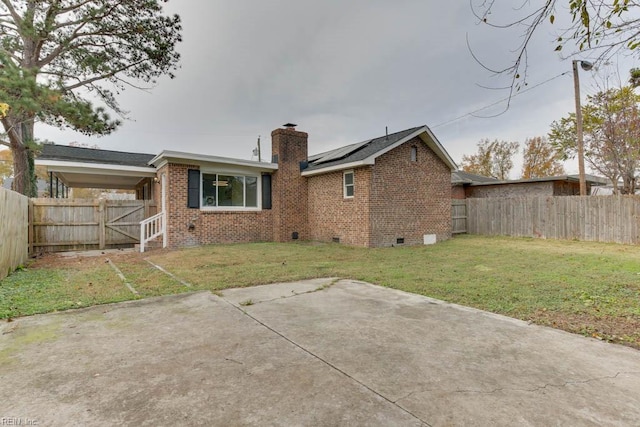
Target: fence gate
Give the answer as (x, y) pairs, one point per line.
(83, 224)
(458, 216)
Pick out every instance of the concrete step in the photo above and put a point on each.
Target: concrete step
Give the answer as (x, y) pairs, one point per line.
(149, 246)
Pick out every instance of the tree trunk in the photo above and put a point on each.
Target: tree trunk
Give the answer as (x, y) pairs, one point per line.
(20, 168)
(21, 143)
(629, 185)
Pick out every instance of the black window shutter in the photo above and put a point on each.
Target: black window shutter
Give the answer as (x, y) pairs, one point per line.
(193, 195)
(266, 191)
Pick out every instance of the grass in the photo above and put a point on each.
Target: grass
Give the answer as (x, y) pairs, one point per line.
(587, 288)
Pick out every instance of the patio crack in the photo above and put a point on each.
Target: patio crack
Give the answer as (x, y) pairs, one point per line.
(530, 390)
(295, 294)
(326, 362)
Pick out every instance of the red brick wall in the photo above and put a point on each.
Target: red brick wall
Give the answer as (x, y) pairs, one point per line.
(331, 215)
(457, 192)
(511, 190)
(289, 188)
(395, 198)
(210, 227)
(410, 199)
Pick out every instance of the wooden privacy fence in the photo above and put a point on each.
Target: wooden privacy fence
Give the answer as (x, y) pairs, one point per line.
(14, 231)
(83, 224)
(614, 219)
(458, 216)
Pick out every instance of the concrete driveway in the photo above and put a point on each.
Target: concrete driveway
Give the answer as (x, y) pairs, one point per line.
(309, 353)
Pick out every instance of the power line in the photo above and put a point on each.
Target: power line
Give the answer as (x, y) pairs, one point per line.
(472, 113)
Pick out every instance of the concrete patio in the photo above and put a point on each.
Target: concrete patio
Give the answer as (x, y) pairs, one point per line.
(321, 352)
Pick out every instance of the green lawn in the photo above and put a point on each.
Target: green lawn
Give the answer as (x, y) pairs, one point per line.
(588, 288)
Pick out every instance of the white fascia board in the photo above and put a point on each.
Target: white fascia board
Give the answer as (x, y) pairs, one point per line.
(201, 159)
(344, 166)
(441, 151)
(96, 168)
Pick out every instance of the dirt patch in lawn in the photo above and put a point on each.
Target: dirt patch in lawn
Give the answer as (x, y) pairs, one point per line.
(82, 260)
(620, 330)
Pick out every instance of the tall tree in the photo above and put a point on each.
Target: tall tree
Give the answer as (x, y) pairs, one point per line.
(493, 159)
(541, 159)
(611, 136)
(601, 27)
(56, 54)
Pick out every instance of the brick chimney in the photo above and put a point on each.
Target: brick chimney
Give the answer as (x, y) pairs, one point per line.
(289, 188)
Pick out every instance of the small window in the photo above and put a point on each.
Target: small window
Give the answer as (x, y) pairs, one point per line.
(414, 154)
(348, 184)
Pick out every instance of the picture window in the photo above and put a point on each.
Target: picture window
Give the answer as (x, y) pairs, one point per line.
(236, 191)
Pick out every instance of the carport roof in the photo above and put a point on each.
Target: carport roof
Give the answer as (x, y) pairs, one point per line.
(80, 167)
(93, 155)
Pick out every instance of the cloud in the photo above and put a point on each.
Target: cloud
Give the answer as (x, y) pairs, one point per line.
(342, 70)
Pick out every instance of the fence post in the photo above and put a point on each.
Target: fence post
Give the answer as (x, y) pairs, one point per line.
(102, 229)
(32, 227)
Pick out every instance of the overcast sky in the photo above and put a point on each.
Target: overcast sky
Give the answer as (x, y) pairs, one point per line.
(342, 70)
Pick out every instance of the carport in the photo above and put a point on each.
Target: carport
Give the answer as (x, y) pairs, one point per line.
(60, 223)
(80, 167)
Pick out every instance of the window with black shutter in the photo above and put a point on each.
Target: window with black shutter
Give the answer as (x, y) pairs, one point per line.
(193, 195)
(266, 191)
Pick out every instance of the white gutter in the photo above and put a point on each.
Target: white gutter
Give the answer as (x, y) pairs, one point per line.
(181, 157)
(366, 162)
(87, 167)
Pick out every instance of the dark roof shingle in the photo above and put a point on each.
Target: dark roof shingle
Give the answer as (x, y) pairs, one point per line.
(93, 155)
(462, 177)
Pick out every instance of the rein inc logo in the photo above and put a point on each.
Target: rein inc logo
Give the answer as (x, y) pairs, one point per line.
(18, 421)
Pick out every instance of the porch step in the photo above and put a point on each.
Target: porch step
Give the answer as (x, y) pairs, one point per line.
(149, 246)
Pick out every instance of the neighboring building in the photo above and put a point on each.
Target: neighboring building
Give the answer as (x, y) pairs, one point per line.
(389, 190)
(465, 185)
(460, 180)
(42, 185)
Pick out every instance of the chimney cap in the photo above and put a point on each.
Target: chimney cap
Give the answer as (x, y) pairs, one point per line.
(290, 125)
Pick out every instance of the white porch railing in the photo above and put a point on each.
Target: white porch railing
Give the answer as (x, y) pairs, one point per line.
(153, 227)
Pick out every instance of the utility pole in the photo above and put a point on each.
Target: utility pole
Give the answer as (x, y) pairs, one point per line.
(256, 151)
(579, 133)
(259, 153)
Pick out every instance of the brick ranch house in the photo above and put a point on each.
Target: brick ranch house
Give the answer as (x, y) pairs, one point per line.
(394, 189)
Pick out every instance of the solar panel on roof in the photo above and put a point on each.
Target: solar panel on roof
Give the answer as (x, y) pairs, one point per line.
(342, 152)
(315, 157)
